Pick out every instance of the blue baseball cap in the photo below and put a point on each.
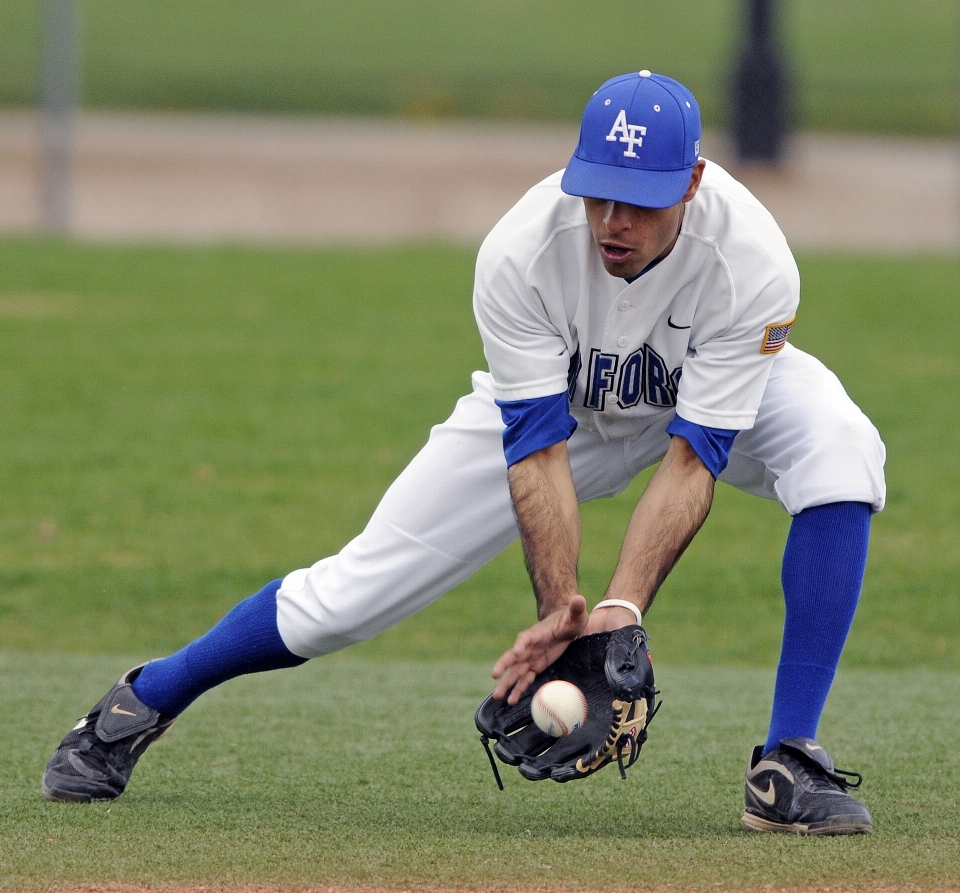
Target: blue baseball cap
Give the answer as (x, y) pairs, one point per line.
(639, 141)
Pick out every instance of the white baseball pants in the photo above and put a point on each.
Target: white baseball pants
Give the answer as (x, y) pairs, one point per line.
(449, 511)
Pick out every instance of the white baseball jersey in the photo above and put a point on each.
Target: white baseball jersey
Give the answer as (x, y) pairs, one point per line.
(698, 331)
(717, 309)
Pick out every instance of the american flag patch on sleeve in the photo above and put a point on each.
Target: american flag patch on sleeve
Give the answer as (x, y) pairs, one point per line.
(776, 336)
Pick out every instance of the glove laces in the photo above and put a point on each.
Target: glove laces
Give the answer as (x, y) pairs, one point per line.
(628, 743)
(485, 741)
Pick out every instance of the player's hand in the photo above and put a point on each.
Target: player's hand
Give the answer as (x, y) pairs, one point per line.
(537, 647)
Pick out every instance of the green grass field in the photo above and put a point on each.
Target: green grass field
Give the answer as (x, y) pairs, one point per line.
(349, 772)
(880, 66)
(182, 425)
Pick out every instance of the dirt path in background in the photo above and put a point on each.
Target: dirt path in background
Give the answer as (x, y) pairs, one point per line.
(318, 181)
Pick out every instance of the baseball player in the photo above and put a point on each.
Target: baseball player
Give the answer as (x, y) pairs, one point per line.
(634, 310)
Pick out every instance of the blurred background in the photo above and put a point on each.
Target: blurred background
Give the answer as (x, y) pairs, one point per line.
(290, 120)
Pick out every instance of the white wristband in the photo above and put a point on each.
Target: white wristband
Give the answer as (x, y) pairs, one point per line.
(620, 603)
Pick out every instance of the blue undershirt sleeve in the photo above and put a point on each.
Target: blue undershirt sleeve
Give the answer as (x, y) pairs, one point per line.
(532, 425)
(712, 445)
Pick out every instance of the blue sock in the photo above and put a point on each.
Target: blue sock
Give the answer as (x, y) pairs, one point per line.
(823, 565)
(247, 640)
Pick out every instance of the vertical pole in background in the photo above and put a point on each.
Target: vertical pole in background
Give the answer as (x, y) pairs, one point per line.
(59, 91)
(761, 96)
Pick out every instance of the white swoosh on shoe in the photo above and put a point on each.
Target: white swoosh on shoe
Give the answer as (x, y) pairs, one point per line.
(768, 796)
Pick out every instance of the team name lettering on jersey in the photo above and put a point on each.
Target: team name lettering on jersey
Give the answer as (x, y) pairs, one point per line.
(631, 134)
(643, 375)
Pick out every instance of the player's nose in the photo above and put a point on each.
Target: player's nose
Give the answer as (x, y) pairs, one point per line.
(617, 217)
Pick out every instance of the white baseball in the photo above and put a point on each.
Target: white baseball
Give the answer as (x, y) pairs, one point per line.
(559, 708)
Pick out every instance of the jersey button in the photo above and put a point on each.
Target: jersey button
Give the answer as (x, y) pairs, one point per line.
(624, 305)
(622, 341)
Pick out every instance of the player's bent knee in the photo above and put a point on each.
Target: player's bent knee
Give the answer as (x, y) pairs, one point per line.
(842, 462)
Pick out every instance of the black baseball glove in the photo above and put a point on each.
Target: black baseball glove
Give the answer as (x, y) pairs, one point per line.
(615, 674)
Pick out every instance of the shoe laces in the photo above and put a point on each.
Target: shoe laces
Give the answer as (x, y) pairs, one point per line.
(841, 776)
(824, 781)
(96, 753)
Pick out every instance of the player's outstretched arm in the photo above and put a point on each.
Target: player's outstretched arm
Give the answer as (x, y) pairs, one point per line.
(670, 512)
(548, 515)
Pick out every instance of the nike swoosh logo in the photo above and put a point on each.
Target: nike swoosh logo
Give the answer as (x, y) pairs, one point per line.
(767, 796)
(673, 325)
(813, 747)
(116, 708)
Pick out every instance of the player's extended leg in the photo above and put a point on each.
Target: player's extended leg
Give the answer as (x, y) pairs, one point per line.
(445, 516)
(817, 453)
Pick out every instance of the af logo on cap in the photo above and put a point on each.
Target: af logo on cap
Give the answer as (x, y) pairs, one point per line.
(631, 134)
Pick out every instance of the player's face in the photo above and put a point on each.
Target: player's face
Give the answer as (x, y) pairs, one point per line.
(630, 238)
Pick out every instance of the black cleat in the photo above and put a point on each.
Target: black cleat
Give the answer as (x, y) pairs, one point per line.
(796, 789)
(95, 761)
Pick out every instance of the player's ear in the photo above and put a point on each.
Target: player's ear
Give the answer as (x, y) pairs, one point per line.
(695, 177)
